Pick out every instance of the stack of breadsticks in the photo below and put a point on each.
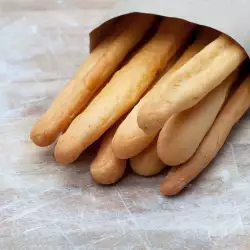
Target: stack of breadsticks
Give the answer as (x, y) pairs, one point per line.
(158, 92)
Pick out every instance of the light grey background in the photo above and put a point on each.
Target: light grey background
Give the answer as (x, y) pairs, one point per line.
(45, 206)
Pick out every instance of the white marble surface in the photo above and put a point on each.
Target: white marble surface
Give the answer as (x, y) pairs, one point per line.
(45, 206)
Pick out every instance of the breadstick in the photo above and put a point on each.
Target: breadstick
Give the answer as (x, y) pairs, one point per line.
(187, 86)
(183, 133)
(129, 139)
(237, 105)
(147, 163)
(123, 91)
(93, 73)
(106, 168)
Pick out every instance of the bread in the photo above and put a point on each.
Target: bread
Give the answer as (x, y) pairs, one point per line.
(106, 168)
(130, 139)
(188, 85)
(183, 133)
(238, 104)
(147, 163)
(92, 75)
(123, 91)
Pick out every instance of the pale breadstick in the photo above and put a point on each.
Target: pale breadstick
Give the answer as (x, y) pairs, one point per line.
(106, 168)
(123, 91)
(147, 163)
(237, 105)
(93, 73)
(129, 139)
(183, 133)
(188, 85)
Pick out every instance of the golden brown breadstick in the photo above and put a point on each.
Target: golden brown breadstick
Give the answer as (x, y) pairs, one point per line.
(237, 105)
(106, 168)
(147, 163)
(183, 133)
(129, 139)
(123, 91)
(187, 86)
(93, 73)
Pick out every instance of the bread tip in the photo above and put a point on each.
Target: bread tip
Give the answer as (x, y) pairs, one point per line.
(167, 155)
(168, 189)
(39, 139)
(147, 123)
(63, 153)
(101, 177)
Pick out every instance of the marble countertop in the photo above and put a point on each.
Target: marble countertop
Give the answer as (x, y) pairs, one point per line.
(46, 206)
